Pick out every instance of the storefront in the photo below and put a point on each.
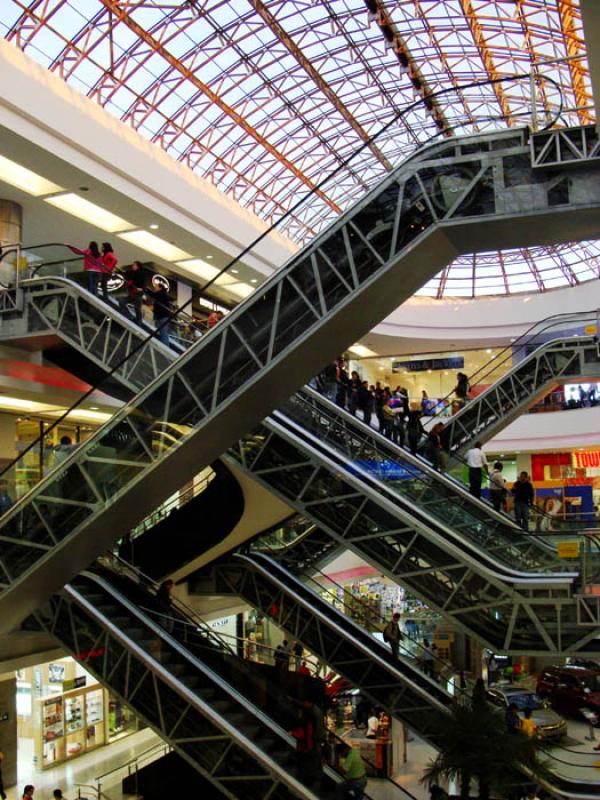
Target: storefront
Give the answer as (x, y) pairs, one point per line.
(63, 712)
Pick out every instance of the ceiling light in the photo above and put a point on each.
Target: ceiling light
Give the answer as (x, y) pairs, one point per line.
(94, 408)
(488, 350)
(209, 257)
(239, 289)
(154, 244)
(23, 178)
(253, 280)
(235, 271)
(361, 351)
(199, 268)
(89, 416)
(153, 227)
(89, 212)
(17, 403)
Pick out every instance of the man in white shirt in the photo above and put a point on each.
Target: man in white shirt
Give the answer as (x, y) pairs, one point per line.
(477, 462)
(372, 725)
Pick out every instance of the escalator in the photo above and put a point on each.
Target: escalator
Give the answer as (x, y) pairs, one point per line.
(282, 594)
(219, 712)
(462, 195)
(560, 360)
(506, 588)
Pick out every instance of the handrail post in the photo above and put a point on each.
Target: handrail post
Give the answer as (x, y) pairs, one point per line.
(533, 93)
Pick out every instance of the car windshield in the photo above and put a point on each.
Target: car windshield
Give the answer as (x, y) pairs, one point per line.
(591, 682)
(525, 700)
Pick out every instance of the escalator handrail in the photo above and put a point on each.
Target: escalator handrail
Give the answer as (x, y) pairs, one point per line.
(424, 465)
(361, 636)
(506, 354)
(155, 665)
(369, 482)
(373, 617)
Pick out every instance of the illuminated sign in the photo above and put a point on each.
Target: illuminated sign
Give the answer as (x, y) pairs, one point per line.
(115, 282)
(455, 362)
(586, 460)
(159, 282)
(568, 549)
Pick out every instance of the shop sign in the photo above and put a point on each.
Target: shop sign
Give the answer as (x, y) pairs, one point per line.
(424, 364)
(74, 683)
(568, 549)
(590, 458)
(590, 330)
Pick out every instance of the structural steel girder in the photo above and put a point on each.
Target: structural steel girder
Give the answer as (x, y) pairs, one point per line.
(499, 585)
(558, 361)
(459, 195)
(173, 691)
(397, 686)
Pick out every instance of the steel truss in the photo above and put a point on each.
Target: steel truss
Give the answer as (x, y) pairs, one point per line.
(397, 686)
(469, 564)
(213, 727)
(456, 195)
(58, 307)
(558, 361)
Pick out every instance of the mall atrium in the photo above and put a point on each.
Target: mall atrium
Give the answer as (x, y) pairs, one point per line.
(300, 399)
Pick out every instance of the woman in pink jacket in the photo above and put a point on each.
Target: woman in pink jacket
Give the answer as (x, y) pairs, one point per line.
(109, 262)
(92, 264)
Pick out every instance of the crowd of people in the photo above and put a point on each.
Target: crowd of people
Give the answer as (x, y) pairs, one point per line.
(100, 263)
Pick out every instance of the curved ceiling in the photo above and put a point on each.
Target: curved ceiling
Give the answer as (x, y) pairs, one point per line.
(265, 98)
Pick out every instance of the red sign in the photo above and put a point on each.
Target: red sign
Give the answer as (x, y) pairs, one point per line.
(591, 458)
(90, 654)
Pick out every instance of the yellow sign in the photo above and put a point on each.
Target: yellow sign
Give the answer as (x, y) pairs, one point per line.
(591, 330)
(568, 549)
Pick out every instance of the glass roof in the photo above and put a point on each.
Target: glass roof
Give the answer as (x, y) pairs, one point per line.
(266, 98)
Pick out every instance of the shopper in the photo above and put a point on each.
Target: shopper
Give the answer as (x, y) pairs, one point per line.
(528, 725)
(109, 262)
(434, 450)
(427, 659)
(58, 795)
(165, 605)
(462, 388)
(513, 720)
(282, 656)
(134, 286)
(6, 501)
(28, 791)
(523, 494)
(92, 264)
(372, 725)
(63, 450)
(497, 487)
(354, 385)
(414, 427)
(303, 669)
(479, 694)
(309, 734)
(392, 634)
(477, 463)
(161, 312)
(354, 771)
(365, 402)
(297, 651)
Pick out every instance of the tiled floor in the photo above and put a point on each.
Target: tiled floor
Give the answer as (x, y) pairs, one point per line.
(84, 770)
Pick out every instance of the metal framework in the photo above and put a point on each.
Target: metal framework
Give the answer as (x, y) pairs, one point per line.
(58, 307)
(560, 361)
(397, 686)
(371, 259)
(265, 97)
(424, 533)
(209, 723)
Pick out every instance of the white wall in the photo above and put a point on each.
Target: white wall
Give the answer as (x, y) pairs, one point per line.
(42, 108)
(480, 321)
(558, 430)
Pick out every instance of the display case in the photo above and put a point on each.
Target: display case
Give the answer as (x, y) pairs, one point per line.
(94, 719)
(52, 722)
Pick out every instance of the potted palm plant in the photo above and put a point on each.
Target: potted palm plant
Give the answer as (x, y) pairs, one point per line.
(474, 744)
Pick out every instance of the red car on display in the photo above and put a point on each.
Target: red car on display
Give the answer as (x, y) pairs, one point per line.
(570, 689)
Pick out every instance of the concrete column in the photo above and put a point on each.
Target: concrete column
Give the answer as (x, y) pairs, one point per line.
(11, 226)
(11, 222)
(184, 294)
(8, 729)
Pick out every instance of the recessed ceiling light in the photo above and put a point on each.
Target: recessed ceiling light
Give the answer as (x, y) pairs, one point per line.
(209, 258)
(153, 227)
(25, 179)
(94, 408)
(89, 212)
(253, 280)
(154, 244)
(361, 351)
(235, 271)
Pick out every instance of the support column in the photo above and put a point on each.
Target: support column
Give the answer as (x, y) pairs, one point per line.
(11, 227)
(8, 729)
